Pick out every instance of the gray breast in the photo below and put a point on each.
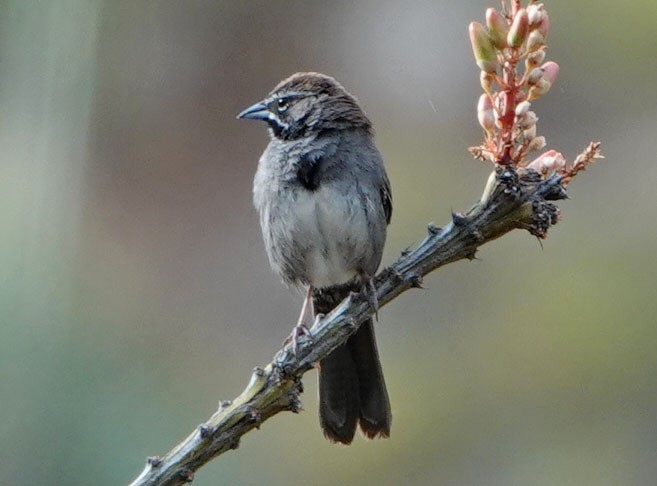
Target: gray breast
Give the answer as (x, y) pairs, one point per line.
(327, 233)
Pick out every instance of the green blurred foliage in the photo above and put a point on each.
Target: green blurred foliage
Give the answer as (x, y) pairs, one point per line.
(134, 291)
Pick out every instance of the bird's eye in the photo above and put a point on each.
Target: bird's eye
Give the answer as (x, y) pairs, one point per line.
(282, 104)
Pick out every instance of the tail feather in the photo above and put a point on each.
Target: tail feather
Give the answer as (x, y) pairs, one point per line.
(338, 396)
(352, 389)
(374, 413)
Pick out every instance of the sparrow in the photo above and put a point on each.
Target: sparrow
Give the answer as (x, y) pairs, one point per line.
(324, 202)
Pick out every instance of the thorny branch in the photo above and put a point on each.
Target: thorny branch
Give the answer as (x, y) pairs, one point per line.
(515, 202)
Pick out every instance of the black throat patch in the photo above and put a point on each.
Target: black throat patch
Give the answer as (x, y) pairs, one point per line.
(308, 171)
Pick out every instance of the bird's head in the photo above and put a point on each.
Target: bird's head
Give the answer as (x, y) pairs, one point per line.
(307, 104)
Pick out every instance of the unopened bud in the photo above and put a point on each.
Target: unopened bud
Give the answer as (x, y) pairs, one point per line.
(527, 120)
(536, 144)
(522, 108)
(544, 25)
(486, 80)
(482, 47)
(534, 76)
(535, 12)
(530, 133)
(485, 113)
(535, 41)
(539, 89)
(519, 29)
(497, 28)
(534, 59)
(550, 71)
(549, 162)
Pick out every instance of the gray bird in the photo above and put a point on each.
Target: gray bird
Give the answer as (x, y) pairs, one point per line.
(324, 202)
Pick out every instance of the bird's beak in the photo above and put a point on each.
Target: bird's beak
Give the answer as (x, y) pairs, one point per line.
(259, 111)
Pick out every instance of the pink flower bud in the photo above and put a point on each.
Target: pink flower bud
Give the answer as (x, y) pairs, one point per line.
(534, 59)
(549, 162)
(482, 47)
(534, 76)
(535, 41)
(550, 71)
(535, 13)
(497, 28)
(539, 89)
(519, 29)
(544, 25)
(522, 108)
(486, 80)
(530, 133)
(527, 120)
(536, 144)
(485, 113)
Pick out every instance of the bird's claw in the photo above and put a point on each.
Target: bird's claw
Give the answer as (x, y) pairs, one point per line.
(372, 298)
(299, 333)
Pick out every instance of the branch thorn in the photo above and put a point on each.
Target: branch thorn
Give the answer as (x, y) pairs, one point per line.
(154, 461)
(205, 431)
(186, 475)
(459, 219)
(416, 281)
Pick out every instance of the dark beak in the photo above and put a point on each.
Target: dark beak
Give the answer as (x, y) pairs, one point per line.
(259, 111)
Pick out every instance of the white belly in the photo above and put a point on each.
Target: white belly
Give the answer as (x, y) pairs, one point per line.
(332, 230)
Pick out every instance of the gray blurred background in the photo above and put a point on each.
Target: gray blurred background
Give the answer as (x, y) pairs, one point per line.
(135, 292)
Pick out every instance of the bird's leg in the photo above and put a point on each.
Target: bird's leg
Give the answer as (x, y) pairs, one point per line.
(301, 329)
(370, 291)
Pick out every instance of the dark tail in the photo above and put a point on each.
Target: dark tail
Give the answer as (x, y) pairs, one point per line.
(352, 390)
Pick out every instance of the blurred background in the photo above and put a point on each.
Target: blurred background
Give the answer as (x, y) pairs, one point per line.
(135, 291)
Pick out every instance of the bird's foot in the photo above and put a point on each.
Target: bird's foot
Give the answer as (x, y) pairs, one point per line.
(370, 292)
(299, 333)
